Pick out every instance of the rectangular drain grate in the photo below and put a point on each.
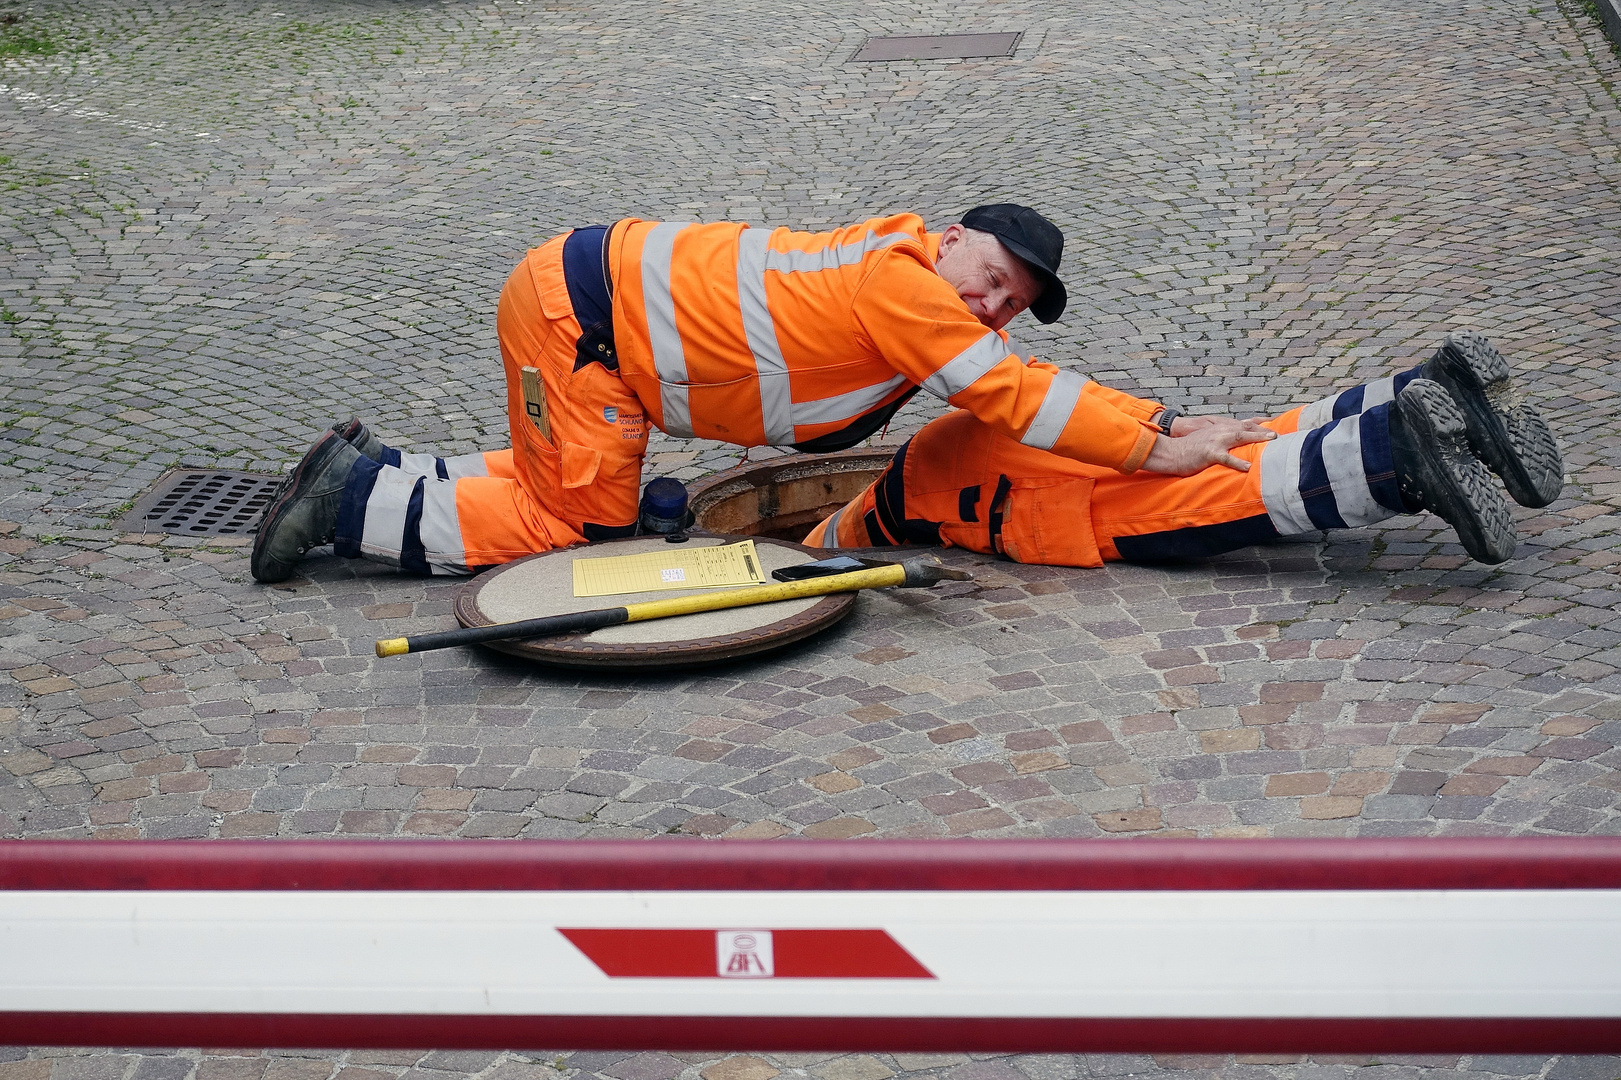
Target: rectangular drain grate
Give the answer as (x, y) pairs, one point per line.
(938, 47)
(203, 502)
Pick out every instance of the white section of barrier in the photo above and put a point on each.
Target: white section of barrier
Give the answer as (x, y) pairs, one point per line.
(1396, 953)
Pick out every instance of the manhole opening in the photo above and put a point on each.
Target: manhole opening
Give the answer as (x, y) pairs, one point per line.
(203, 502)
(783, 498)
(938, 47)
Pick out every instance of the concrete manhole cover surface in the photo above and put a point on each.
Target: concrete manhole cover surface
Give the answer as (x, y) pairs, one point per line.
(541, 585)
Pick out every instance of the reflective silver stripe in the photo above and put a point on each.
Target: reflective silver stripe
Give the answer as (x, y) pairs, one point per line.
(1378, 392)
(830, 258)
(382, 535)
(669, 360)
(830, 535)
(441, 528)
(1342, 458)
(1054, 414)
(831, 410)
(964, 369)
(1318, 413)
(419, 464)
(776, 395)
(466, 465)
(455, 467)
(1280, 484)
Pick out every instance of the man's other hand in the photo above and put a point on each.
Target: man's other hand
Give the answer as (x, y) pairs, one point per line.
(1198, 442)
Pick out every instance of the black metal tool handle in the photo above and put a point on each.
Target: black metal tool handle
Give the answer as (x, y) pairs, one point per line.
(571, 623)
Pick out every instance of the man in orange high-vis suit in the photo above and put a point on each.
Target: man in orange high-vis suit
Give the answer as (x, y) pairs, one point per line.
(719, 331)
(1420, 439)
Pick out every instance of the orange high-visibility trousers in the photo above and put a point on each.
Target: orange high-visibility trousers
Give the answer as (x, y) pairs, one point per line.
(453, 515)
(960, 484)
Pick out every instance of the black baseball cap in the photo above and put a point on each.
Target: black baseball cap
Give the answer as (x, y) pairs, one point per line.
(1035, 240)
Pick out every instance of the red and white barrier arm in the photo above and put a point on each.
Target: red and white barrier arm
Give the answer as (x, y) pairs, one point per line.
(1460, 945)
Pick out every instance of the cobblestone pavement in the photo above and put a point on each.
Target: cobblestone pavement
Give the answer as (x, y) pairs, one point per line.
(226, 225)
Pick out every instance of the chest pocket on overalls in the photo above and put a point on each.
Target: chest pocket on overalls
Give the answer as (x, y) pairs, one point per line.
(1045, 521)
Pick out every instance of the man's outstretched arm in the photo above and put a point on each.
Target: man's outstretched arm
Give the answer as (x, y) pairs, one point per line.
(913, 319)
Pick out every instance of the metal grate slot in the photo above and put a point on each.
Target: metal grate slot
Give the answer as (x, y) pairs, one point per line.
(938, 46)
(191, 502)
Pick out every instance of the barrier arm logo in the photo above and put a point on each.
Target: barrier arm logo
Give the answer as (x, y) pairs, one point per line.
(622, 953)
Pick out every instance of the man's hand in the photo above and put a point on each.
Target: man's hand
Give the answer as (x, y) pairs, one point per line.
(1198, 442)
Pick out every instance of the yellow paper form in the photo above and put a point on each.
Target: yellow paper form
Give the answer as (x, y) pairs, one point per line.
(678, 567)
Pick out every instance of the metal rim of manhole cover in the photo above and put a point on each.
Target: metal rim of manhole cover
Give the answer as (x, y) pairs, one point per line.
(203, 502)
(785, 497)
(938, 47)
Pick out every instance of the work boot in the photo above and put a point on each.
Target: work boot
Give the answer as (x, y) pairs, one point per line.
(1436, 472)
(304, 513)
(359, 436)
(1505, 430)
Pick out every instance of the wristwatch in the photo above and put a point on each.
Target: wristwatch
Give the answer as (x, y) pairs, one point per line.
(1165, 418)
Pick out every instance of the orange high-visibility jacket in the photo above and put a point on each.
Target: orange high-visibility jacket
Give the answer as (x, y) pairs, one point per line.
(774, 337)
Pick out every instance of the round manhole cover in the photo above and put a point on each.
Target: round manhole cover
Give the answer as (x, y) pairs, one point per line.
(541, 585)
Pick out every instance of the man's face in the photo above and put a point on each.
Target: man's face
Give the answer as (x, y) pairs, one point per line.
(992, 281)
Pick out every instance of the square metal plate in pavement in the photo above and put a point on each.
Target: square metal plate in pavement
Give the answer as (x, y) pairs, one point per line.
(938, 47)
(203, 502)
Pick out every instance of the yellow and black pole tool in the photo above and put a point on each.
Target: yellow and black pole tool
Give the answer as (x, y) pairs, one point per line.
(912, 574)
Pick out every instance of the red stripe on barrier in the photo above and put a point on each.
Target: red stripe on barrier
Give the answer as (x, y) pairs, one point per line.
(704, 954)
(1437, 1035)
(997, 865)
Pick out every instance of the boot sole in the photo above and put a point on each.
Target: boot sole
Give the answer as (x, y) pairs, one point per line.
(315, 460)
(1505, 430)
(1456, 485)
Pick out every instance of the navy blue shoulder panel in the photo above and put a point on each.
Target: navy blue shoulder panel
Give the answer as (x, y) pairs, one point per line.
(585, 269)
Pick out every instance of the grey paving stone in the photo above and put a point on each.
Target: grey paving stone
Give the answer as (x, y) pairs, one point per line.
(1509, 1064)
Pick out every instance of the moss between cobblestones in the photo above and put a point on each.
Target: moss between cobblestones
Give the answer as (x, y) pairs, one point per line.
(1601, 26)
(19, 37)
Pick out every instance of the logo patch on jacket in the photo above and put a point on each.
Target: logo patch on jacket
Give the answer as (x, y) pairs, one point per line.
(632, 425)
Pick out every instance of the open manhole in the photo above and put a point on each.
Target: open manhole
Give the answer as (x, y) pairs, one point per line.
(783, 498)
(938, 46)
(203, 502)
